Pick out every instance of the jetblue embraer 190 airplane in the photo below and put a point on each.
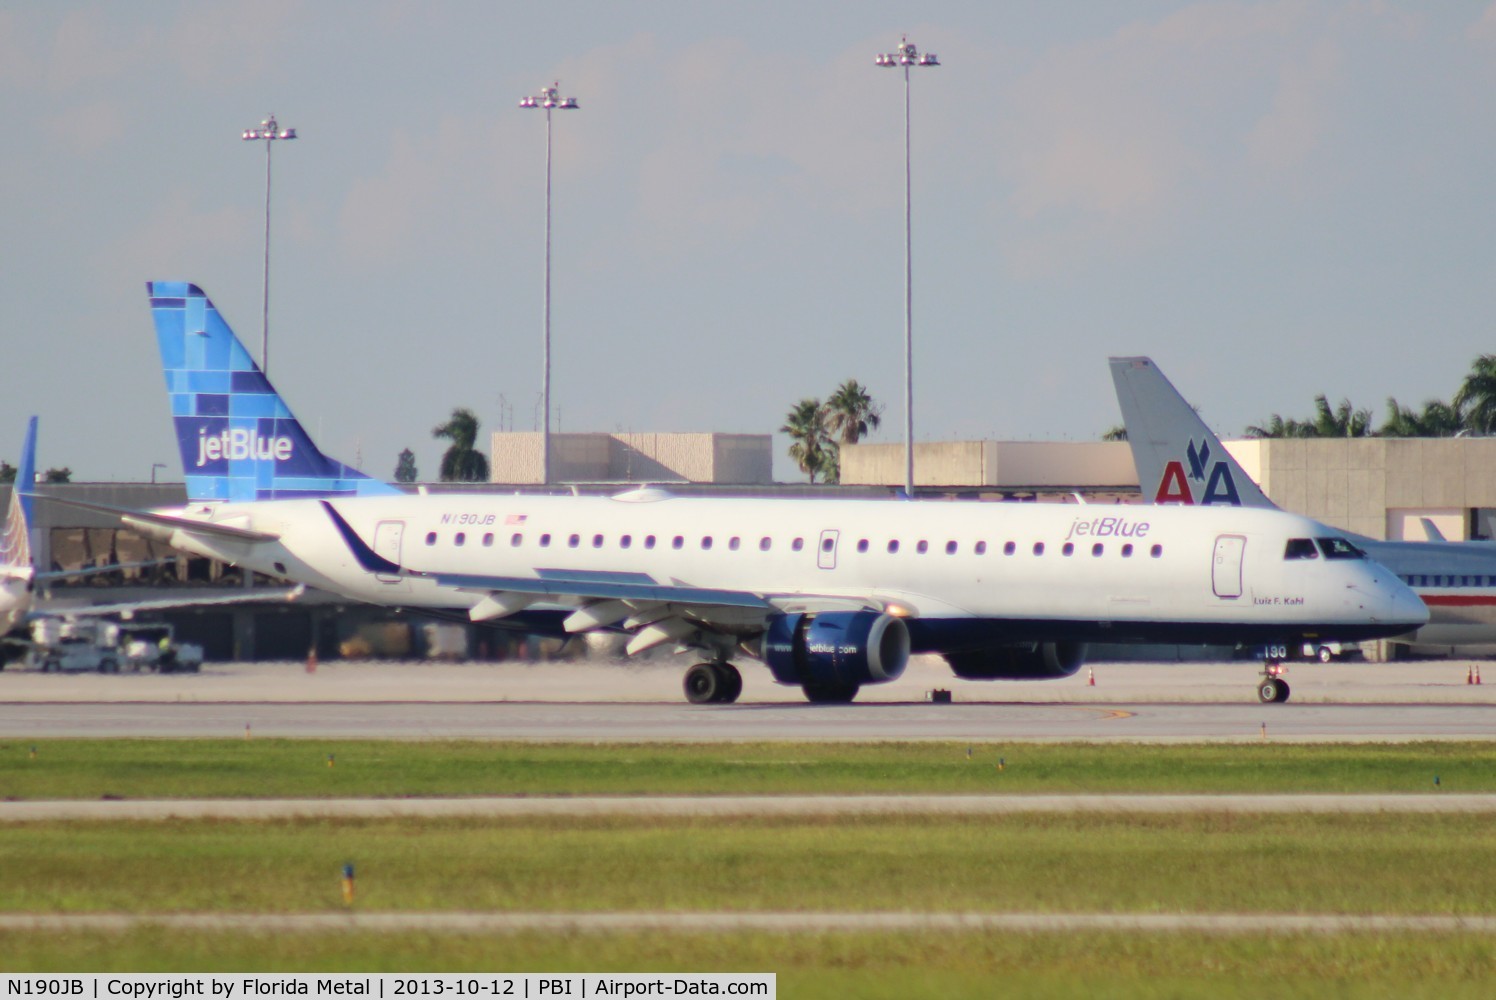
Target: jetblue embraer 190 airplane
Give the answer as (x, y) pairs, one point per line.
(829, 594)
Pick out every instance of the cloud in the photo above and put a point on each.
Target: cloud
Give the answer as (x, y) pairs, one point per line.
(728, 142)
(18, 58)
(431, 179)
(88, 127)
(1116, 127)
(232, 43)
(87, 47)
(1294, 126)
(1483, 29)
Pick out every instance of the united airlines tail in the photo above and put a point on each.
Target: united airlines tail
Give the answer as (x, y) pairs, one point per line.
(15, 544)
(1179, 459)
(239, 441)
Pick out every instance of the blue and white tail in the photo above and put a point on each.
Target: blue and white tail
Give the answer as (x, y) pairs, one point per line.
(239, 441)
(15, 543)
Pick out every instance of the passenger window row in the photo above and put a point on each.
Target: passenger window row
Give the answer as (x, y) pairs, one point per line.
(766, 544)
(1449, 580)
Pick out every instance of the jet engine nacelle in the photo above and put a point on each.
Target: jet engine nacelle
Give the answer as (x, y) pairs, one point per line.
(1034, 662)
(836, 648)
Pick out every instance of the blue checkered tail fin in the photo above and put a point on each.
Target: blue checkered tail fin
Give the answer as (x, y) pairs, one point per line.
(238, 440)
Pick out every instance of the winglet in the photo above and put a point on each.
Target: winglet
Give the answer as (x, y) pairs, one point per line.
(367, 557)
(1431, 530)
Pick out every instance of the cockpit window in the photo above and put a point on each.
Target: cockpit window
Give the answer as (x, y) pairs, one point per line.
(1300, 548)
(1339, 548)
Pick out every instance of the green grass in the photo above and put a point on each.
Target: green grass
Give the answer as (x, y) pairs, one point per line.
(91, 769)
(895, 966)
(1191, 863)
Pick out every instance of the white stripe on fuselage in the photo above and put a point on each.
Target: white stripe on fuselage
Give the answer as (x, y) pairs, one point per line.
(1176, 584)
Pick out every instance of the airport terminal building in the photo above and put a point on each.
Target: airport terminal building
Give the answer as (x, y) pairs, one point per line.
(1382, 488)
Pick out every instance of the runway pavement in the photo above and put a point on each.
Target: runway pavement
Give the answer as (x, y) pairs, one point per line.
(642, 702)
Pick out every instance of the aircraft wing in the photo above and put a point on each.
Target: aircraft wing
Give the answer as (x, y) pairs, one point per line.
(126, 609)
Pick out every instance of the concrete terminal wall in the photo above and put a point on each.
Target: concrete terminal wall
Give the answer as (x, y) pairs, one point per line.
(999, 464)
(1382, 487)
(633, 458)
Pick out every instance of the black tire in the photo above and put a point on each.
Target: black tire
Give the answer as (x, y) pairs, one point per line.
(732, 683)
(1282, 692)
(830, 694)
(1324, 654)
(703, 684)
(1267, 691)
(49, 666)
(108, 666)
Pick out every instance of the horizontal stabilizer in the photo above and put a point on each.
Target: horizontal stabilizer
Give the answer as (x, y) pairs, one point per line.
(189, 524)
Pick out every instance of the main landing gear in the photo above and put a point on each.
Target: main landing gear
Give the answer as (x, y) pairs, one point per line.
(1273, 689)
(717, 682)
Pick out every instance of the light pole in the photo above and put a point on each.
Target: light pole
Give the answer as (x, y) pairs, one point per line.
(270, 131)
(906, 56)
(550, 100)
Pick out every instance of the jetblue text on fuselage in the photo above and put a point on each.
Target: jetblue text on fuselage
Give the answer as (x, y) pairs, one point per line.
(1219, 487)
(1108, 527)
(239, 443)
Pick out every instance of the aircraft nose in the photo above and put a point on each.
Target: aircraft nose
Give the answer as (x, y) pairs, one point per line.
(1403, 606)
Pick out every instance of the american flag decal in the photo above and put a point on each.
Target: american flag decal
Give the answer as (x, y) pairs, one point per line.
(515, 519)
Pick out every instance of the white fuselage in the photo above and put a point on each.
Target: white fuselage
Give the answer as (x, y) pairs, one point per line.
(1136, 572)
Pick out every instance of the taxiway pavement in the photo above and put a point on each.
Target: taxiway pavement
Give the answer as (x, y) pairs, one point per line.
(613, 701)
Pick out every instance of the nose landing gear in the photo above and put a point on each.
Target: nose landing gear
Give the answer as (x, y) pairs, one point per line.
(1273, 689)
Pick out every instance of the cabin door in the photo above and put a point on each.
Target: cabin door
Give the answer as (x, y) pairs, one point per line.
(826, 554)
(1225, 574)
(387, 538)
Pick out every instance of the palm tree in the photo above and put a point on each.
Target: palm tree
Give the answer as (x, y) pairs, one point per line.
(1343, 421)
(851, 413)
(806, 426)
(1476, 399)
(405, 467)
(1116, 432)
(1438, 419)
(1278, 427)
(462, 462)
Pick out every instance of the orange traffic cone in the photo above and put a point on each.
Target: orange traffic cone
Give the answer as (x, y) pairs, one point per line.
(311, 660)
(1091, 676)
(1477, 675)
(1469, 675)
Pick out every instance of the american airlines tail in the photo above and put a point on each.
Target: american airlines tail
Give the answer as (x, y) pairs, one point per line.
(239, 441)
(1179, 459)
(15, 544)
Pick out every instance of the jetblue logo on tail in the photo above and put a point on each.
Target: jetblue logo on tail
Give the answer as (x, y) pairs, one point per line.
(239, 443)
(1213, 483)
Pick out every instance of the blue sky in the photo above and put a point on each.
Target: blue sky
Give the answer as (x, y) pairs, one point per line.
(1272, 199)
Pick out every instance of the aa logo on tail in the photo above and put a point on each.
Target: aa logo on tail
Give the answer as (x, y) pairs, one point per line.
(1213, 483)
